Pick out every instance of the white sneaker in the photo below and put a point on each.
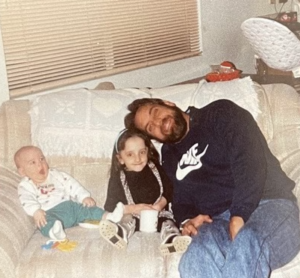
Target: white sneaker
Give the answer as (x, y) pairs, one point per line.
(57, 232)
(117, 234)
(178, 244)
(114, 233)
(172, 240)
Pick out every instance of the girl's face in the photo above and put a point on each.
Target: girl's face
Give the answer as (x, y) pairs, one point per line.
(134, 155)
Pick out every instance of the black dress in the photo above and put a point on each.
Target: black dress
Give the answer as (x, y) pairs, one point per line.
(144, 188)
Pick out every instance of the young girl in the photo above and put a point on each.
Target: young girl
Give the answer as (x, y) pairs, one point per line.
(138, 181)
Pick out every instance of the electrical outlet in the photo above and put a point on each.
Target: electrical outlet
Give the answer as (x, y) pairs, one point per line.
(272, 1)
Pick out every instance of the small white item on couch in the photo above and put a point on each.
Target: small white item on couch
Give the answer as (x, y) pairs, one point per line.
(89, 224)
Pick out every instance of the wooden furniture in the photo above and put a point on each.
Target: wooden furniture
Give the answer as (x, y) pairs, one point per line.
(264, 75)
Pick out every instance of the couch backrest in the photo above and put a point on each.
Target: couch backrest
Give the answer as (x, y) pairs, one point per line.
(15, 133)
(14, 129)
(279, 120)
(284, 103)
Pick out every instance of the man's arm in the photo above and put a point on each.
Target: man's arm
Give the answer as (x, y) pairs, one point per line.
(246, 150)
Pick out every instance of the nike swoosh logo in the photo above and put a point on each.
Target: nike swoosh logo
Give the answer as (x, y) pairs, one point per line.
(189, 162)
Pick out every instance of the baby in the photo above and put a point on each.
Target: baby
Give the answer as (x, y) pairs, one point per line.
(54, 199)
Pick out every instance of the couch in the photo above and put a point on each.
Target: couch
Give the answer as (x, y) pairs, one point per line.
(276, 108)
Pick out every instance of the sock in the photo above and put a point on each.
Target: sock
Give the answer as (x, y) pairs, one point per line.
(117, 214)
(57, 232)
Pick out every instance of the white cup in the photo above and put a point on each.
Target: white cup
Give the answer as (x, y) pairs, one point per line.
(148, 221)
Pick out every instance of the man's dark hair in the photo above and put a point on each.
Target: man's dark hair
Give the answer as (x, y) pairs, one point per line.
(135, 105)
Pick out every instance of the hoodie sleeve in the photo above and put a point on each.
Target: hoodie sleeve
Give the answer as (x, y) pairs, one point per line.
(167, 184)
(246, 150)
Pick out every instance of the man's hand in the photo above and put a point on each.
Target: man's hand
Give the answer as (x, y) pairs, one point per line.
(236, 223)
(88, 202)
(192, 225)
(40, 218)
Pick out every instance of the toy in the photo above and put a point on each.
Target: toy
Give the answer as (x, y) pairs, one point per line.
(64, 245)
(224, 72)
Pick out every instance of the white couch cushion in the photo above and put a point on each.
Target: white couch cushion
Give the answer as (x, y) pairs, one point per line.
(94, 258)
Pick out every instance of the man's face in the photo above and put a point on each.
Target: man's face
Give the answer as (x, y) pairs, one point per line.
(164, 123)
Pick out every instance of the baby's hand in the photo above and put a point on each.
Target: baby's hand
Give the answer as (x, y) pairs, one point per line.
(88, 202)
(40, 218)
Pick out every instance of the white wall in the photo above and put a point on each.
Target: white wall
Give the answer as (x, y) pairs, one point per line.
(222, 40)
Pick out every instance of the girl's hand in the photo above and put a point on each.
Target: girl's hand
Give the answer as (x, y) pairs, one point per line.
(40, 218)
(136, 209)
(156, 207)
(88, 202)
(160, 205)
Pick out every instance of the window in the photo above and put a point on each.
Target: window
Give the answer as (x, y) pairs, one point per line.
(52, 43)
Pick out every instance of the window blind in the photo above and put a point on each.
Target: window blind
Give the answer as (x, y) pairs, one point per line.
(53, 43)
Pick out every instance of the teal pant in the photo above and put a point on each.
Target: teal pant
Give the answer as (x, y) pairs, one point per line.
(70, 214)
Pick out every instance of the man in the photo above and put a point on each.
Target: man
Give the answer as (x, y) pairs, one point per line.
(230, 192)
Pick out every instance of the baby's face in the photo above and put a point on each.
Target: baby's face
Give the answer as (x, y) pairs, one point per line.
(33, 164)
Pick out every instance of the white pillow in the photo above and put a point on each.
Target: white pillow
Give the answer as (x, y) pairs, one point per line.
(80, 122)
(240, 91)
(181, 95)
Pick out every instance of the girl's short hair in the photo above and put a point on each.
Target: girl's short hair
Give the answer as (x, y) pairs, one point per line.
(119, 145)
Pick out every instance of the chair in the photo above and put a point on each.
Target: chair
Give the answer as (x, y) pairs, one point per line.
(274, 43)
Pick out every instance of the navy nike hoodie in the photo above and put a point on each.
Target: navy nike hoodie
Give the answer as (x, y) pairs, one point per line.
(223, 163)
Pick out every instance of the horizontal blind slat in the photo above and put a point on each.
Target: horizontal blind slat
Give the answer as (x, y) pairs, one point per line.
(60, 42)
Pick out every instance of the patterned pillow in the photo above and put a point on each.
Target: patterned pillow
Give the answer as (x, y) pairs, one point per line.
(80, 122)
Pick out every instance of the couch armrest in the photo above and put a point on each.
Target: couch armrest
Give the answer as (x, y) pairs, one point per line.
(16, 228)
(285, 144)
